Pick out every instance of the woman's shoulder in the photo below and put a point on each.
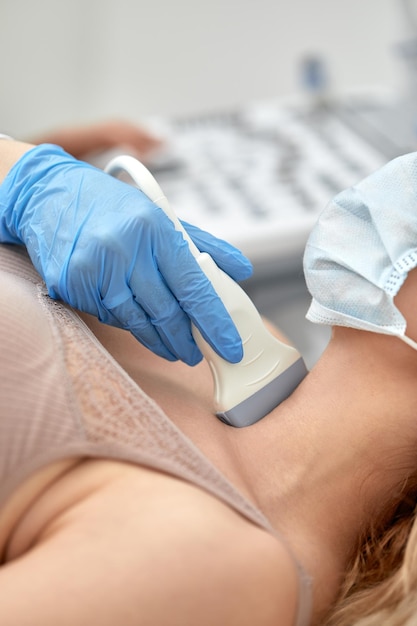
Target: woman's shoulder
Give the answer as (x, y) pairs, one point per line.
(144, 541)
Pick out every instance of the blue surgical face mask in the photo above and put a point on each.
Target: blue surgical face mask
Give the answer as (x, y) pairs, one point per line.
(361, 250)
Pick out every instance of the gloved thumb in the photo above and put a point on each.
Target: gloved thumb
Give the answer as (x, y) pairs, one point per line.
(226, 256)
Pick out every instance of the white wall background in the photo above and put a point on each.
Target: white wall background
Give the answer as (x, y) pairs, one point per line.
(82, 60)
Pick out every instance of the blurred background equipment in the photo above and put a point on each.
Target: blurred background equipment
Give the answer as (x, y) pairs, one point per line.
(260, 175)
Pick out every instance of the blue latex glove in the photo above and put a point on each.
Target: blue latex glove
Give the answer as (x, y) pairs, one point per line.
(104, 248)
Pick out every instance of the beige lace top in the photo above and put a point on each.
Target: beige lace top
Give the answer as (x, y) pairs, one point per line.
(63, 395)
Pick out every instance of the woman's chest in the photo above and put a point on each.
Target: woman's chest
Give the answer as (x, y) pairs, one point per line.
(185, 394)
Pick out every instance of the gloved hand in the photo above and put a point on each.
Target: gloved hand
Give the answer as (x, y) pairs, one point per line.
(104, 248)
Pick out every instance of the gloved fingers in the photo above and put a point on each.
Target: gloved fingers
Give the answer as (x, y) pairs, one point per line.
(171, 287)
(198, 298)
(142, 329)
(164, 330)
(213, 321)
(227, 257)
(156, 320)
(148, 310)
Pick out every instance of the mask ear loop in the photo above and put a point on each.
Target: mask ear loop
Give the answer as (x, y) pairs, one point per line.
(409, 341)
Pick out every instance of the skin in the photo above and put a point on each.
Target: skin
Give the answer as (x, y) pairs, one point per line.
(81, 141)
(321, 466)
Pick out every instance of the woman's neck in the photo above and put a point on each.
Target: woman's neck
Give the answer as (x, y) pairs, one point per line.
(330, 459)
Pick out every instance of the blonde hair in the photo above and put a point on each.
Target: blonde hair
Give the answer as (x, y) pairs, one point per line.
(380, 588)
